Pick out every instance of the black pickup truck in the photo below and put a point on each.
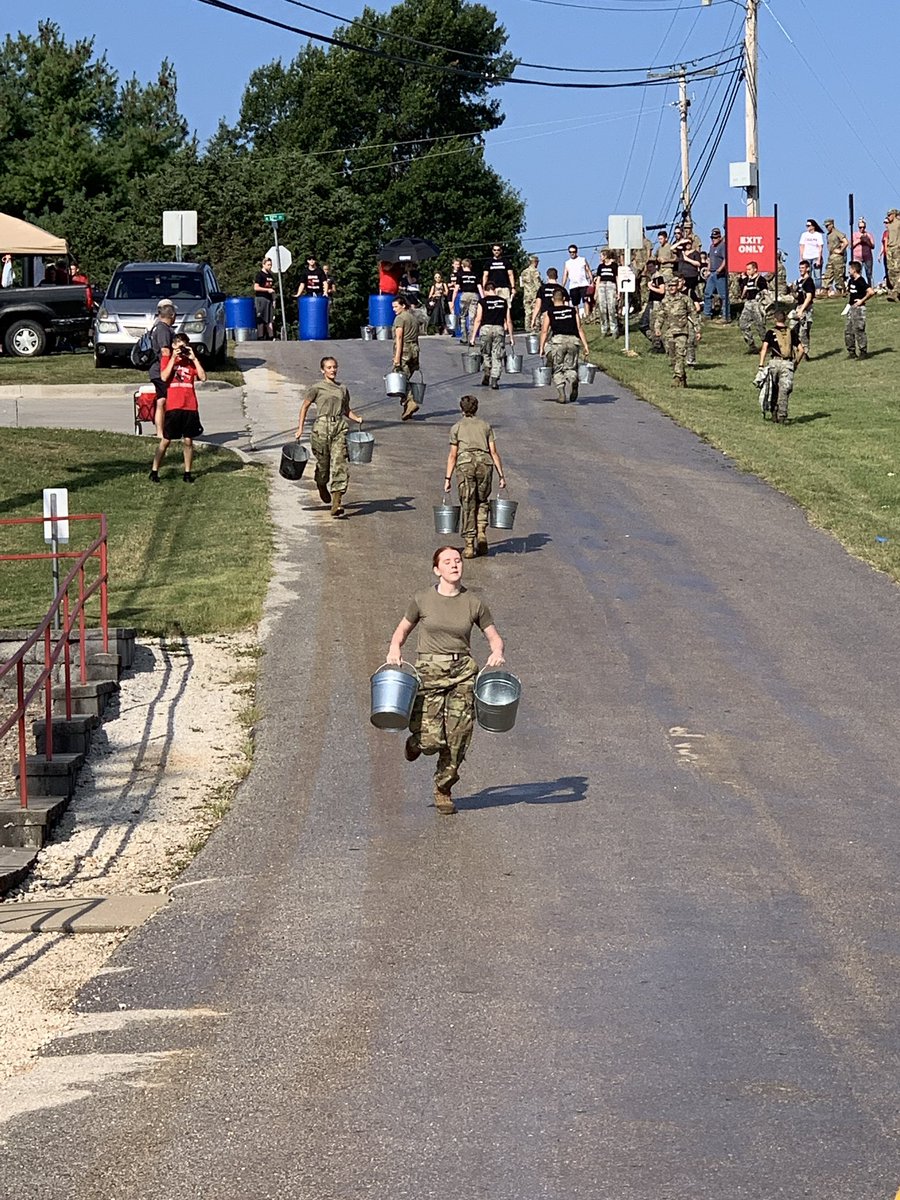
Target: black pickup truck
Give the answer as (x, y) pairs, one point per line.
(32, 319)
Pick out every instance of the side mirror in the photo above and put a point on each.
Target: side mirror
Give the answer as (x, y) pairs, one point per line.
(217, 297)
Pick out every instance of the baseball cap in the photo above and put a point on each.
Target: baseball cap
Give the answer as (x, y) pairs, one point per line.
(716, 233)
(829, 220)
(893, 212)
(166, 305)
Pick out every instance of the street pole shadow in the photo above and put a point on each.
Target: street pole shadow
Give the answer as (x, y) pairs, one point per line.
(567, 790)
(521, 545)
(389, 504)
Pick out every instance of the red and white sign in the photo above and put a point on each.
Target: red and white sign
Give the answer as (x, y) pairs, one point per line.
(751, 239)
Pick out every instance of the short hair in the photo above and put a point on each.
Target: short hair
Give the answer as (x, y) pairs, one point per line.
(488, 285)
(325, 359)
(573, 247)
(533, 258)
(181, 337)
(753, 263)
(402, 301)
(804, 262)
(466, 262)
(435, 558)
(857, 264)
(552, 273)
(559, 293)
(469, 405)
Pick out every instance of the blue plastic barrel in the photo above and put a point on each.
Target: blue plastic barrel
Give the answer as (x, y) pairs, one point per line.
(381, 310)
(312, 318)
(240, 313)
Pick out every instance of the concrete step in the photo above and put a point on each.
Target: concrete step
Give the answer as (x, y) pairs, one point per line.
(29, 828)
(54, 776)
(15, 863)
(88, 699)
(71, 736)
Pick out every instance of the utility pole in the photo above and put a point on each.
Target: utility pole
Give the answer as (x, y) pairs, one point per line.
(751, 102)
(680, 73)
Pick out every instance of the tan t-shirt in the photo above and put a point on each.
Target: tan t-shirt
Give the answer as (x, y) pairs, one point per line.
(471, 433)
(407, 322)
(330, 399)
(445, 622)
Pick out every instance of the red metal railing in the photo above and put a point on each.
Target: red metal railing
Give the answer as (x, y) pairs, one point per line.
(69, 612)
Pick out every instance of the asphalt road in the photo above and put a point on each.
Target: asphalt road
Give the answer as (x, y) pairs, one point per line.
(655, 955)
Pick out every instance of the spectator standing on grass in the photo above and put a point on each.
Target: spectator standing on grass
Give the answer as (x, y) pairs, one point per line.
(179, 370)
(264, 301)
(666, 256)
(804, 297)
(752, 323)
(892, 253)
(606, 294)
(812, 248)
(716, 279)
(689, 264)
(859, 292)
(576, 276)
(161, 338)
(834, 278)
(862, 248)
(656, 293)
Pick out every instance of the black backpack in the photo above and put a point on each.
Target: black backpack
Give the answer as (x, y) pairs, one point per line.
(142, 352)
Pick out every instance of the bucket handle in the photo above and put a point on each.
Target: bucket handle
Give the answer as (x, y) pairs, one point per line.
(403, 663)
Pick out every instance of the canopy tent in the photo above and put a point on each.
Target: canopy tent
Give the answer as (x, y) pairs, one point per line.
(18, 237)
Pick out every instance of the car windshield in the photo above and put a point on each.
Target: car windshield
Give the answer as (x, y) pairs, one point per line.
(156, 285)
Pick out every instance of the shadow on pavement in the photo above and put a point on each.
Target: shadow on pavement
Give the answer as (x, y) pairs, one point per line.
(388, 504)
(521, 545)
(567, 790)
(582, 399)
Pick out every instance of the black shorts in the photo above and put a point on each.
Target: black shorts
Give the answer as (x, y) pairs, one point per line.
(576, 295)
(161, 388)
(181, 423)
(264, 307)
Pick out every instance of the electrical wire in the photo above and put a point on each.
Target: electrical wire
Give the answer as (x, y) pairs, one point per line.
(609, 8)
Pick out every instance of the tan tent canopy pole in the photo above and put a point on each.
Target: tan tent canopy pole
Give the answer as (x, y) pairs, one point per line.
(18, 237)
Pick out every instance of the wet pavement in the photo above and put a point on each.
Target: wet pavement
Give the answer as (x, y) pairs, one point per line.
(654, 955)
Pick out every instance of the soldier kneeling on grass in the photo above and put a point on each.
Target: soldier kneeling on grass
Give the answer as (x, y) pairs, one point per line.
(776, 380)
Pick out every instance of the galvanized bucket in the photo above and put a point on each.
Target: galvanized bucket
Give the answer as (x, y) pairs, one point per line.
(367, 333)
(503, 512)
(417, 387)
(514, 363)
(447, 517)
(533, 343)
(586, 372)
(395, 383)
(294, 458)
(360, 446)
(543, 376)
(497, 696)
(471, 363)
(393, 695)
(383, 333)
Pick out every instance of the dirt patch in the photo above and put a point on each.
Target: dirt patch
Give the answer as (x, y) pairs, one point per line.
(160, 775)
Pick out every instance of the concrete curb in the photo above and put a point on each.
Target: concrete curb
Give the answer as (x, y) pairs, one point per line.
(89, 391)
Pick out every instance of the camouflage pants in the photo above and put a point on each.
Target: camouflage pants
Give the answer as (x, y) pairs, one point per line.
(474, 478)
(409, 360)
(676, 348)
(528, 298)
(468, 311)
(443, 714)
(892, 265)
(608, 304)
(752, 323)
(833, 279)
(782, 372)
(492, 339)
(562, 358)
(855, 337)
(328, 439)
(805, 323)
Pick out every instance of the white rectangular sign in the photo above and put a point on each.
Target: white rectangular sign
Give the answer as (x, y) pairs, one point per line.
(62, 511)
(625, 279)
(626, 232)
(180, 228)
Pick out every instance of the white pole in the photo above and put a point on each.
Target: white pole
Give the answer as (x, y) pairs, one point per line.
(54, 546)
(626, 296)
(751, 98)
(280, 281)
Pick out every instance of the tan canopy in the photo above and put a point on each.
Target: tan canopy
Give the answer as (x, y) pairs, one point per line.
(18, 237)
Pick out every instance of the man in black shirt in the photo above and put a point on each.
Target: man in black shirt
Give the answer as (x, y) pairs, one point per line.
(544, 301)
(752, 322)
(264, 301)
(494, 323)
(858, 293)
(561, 326)
(467, 287)
(500, 273)
(804, 296)
(313, 279)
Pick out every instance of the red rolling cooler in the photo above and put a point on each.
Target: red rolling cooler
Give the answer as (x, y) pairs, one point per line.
(144, 406)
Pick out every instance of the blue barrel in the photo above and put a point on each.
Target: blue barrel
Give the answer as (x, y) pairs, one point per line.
(312, 318)
(381, 311)
(240, 313)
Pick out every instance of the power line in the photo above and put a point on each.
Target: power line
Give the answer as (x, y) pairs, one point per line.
(610, 8)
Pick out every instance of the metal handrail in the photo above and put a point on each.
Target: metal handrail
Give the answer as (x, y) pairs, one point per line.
(70, 613)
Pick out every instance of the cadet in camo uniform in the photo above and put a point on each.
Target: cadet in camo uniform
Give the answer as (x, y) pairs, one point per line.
(561, 326)
(531, 281)
(473, 455)
(836, 266)
(443, 715)
(858, 293)
(752, 323)
(329, 434)
(787, 351)
(493, 325)
(675, 320)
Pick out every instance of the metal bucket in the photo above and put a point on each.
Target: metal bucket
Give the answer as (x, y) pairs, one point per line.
(383, 333)
(244, 335)
(360, 446)
(447, 517)
(543, 376)
(533, 343)
(294, 458)
(503, 512)
(497, 696)
(393, 695)
(395, 383)
(367, 333)
(586, 372)
(514, 363)
(471, 363)
(417, 387)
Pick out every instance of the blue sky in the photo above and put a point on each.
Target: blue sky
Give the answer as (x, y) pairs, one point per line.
(577, 156)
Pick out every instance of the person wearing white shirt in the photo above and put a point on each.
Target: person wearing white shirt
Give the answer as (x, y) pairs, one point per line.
(577, 276)
(812, 246)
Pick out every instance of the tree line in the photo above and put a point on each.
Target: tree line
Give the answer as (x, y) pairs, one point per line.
(353, 148)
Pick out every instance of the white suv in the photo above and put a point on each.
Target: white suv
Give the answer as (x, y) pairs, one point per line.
(129, 308)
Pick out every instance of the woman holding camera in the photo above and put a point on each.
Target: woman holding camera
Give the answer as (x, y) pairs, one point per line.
(179, 369)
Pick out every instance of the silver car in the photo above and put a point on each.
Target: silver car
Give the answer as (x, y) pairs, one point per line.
(129, 308)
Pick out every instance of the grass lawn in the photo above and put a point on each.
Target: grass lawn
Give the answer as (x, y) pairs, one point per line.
(183, 558)
(838, 454)
(79, 368)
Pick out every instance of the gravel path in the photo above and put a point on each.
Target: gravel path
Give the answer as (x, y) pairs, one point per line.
(161, 770)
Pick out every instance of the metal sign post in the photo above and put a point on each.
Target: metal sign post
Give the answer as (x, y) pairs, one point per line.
(179, 230)
(626, 284)
(56, 530)
(626, 231)
(275, 220)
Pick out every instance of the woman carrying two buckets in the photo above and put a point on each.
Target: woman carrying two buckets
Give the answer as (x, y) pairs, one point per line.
(328, 438)
(473, 455)
(443, 713)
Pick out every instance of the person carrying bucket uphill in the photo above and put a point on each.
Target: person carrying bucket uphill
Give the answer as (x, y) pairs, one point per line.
(473, 450)
(443, 714)
(328, 438)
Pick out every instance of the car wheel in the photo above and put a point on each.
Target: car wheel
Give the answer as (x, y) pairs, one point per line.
(25, 339)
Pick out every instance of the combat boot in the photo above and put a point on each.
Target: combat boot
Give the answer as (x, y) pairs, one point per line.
(443, 801)
(469, 550)
(481, 544)
(324, 493)
(337, 508)
(573, 390)
(561, 395)
(411, 406)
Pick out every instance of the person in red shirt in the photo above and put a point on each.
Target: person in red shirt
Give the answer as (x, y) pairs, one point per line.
(180, 369)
